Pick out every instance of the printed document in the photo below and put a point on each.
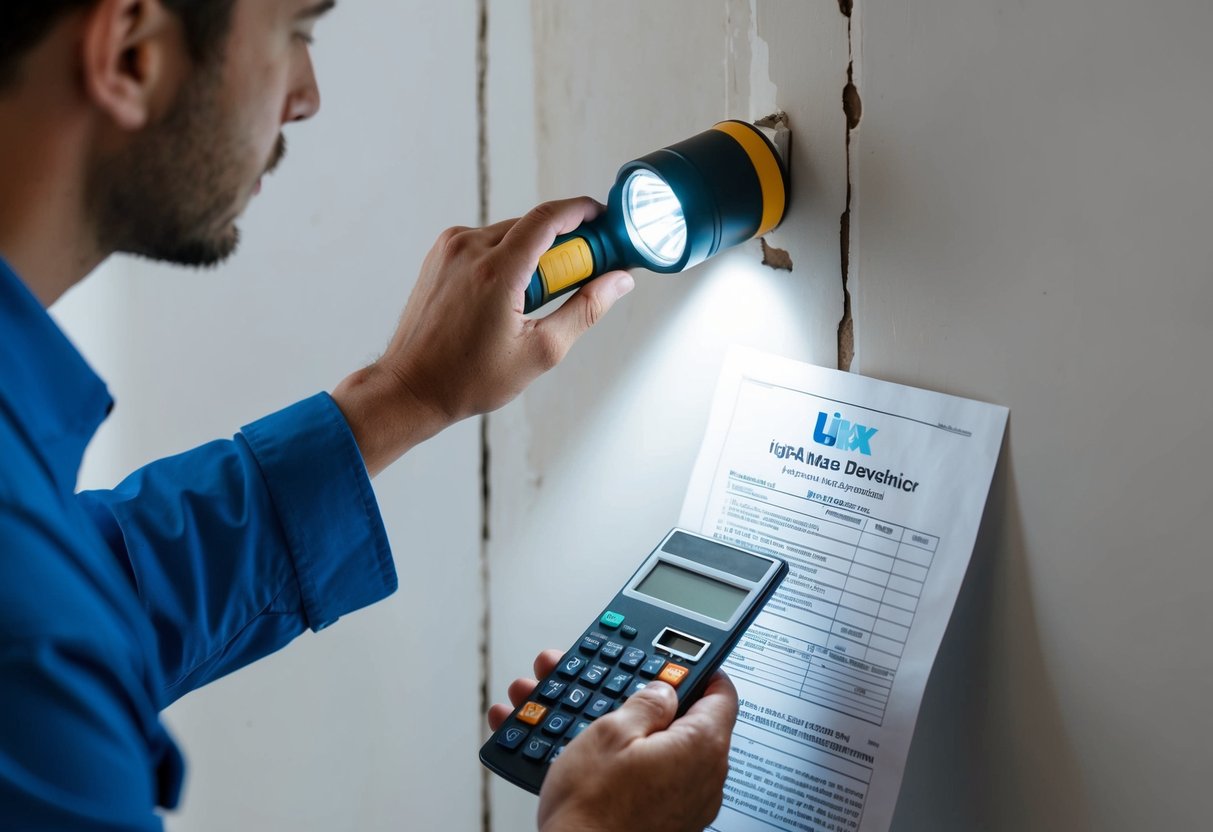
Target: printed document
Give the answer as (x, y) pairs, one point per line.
(873, 493)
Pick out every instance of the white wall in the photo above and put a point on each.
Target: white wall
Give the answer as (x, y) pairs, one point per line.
(1034, 205)
(1032, 199)
(361, 726)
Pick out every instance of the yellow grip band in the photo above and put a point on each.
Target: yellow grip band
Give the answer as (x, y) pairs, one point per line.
(774, 195)
(568, 263)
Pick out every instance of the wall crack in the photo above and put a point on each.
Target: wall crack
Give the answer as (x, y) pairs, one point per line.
(482, 184)
(852, 106)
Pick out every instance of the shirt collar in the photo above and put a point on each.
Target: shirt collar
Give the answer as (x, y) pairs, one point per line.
(46, 386)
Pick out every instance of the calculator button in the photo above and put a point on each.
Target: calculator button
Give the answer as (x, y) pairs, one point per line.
(575, 698)
(579, 727)
(559, 750)
(536, 749)
(557, 724)
(611, 651)
(652, 667)
(632, 657)
(611, 620)
(591, 643)
(532, 713)
(512, 737)
(599, 707)
(571, 666)
(637, 687)
(617, 684)
(673, 675)
(551, 690)
(628, 631)
(594, 674)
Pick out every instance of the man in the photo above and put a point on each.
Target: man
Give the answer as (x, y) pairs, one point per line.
(144, 126)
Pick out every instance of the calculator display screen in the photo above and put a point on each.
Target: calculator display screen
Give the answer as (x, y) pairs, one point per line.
(692, 591)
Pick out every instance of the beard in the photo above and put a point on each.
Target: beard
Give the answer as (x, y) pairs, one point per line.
(174, 193)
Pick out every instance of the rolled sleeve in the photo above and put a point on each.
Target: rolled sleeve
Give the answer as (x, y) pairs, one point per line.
(322, 494)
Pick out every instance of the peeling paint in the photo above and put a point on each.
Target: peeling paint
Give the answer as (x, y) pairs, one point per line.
(750, 91)
(776, 258)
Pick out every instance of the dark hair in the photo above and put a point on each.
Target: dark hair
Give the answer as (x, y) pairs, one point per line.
(23, 23)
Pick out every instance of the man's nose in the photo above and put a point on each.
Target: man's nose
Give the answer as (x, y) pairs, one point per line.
(304, 100)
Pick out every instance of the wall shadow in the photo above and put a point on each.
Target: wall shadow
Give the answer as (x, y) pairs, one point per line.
(990, 751)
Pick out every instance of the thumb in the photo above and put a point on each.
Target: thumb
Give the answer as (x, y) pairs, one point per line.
(649, 711)
(586, 308)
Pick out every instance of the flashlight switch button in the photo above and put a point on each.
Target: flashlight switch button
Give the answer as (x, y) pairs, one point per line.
(566, 265)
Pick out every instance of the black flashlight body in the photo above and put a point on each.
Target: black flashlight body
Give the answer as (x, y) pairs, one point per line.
(732, 185)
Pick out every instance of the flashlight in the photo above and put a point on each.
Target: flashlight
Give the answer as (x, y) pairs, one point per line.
(673, 209)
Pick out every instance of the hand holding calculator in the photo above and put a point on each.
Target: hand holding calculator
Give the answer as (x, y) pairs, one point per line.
(675, 620)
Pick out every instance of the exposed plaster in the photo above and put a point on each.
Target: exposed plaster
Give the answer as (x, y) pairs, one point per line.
(776, 258)
(852, 105)
(482, 183)
(750, 93)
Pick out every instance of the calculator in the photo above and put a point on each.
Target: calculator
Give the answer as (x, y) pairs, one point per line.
(676, 619)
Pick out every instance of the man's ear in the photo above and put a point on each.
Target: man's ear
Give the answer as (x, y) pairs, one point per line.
(131, 54)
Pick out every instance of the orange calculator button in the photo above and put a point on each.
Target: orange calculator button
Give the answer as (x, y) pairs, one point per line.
(673, 674)
(532, 713)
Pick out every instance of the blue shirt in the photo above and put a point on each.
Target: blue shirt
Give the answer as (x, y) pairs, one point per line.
(113, 604)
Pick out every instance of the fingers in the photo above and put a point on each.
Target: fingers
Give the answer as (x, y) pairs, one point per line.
(534, 234)
(521, 689)
(497, 715)
(562, 328)
(546, 662)
(495, 233)
(714, 714)
(650, 710)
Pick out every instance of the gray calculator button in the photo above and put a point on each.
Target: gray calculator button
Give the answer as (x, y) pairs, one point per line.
(600, 706)
(637, 687)
(652, 667)
(571, 666)
(576, 698)
(617, 684)
(632, 657)
(579, 727)
(594, 674)
(536, 749)
(557, 724)
(591, 643)
(611, 651)
(551, 690)
(512, 737)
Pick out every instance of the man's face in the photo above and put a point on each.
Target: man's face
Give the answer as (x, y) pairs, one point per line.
(175, 192)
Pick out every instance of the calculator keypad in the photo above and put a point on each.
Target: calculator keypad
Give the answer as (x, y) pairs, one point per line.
(589, 683)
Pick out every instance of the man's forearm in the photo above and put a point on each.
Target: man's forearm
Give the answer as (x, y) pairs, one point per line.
(385, 416)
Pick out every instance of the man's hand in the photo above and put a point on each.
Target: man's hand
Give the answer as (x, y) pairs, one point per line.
(463, 346)
(637, 768)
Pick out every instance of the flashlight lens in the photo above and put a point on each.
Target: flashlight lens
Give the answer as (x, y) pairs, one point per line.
(654, 218)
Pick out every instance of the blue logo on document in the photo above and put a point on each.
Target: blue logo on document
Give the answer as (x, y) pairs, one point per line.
(843, 434)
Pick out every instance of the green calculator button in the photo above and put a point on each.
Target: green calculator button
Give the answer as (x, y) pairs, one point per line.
(611, 620)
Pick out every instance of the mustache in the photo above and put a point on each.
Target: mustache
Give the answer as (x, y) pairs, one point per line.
(278, 155)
